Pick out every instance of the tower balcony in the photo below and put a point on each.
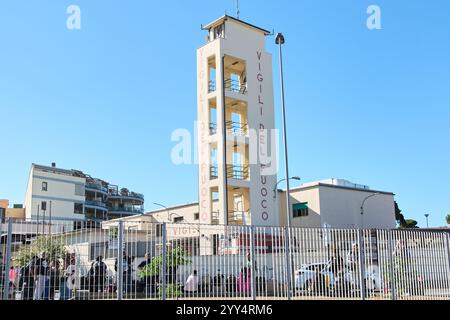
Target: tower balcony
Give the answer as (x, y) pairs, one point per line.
(212, 128)
(238, 172)
(237, 128)
(236, 86)
(239, 218)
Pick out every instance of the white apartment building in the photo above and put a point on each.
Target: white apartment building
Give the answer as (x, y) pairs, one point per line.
(55, 194)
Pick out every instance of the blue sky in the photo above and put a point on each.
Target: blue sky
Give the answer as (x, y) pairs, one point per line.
(368, 106)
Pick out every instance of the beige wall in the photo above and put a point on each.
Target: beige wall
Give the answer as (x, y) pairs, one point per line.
(342, 209)
(4, 204)
(311, 196)
(15, 213)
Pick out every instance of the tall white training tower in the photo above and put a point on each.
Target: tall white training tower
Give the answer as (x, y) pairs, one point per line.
(236, 105)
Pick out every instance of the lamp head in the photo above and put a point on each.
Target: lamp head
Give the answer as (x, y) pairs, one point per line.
(280, 39)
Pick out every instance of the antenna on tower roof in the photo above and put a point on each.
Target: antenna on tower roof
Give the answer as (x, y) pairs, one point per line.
(237, 9)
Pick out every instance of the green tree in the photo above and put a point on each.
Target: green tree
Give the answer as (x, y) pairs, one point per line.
(411, 224)
(399, 216)
(402, 222)
(53, 246)
(448, 219)
(174, 258)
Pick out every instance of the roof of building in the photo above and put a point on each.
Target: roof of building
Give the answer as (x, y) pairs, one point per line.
(227, 17)
(338, 184)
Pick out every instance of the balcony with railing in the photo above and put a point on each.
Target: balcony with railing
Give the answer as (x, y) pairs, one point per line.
(211, 86)
(97, 187)
(95, 204)
(215, 220)
(212, 128)
(238, 172)
(114, 193)
(241, 218)
(236, 86)
(237, 128)
(126, 210)
(214, 172)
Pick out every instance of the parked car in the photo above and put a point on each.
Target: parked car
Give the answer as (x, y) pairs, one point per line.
(321, 276)
(307, 275)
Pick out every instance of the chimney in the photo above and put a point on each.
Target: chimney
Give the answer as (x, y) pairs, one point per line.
(53, 164)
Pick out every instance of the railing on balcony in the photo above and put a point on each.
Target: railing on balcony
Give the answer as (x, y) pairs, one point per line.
(211, 86)
(238, 172)
(215, 218)
(239, 217)
(214, 172)
(94, 203)
(125, 194)
(95, 186)
(237, 128)
(126, 210)
(236, 86)
(212, 128)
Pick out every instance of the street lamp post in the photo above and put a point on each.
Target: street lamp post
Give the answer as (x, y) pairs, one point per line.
(362, 207)
(163, 206)
(280, 41)
(427, 216)
(275, 189)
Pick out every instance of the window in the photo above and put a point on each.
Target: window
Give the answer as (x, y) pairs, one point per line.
(300, 210)
(44, 186)
(178, 220)
(219, 31)
(79, 190)
(196, 216)
(78, 208)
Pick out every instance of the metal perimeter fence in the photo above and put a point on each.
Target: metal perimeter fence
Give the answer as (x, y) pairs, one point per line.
(73, 260)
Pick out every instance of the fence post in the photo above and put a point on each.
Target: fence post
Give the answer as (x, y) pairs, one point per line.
(164, 261)
(7, 262)
(362, 267)
(391, 266)
(252, 261)
(120, 263)
(287, 246)
(447, 240)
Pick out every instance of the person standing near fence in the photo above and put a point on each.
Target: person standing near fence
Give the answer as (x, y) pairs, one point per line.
(126, 267)
(191, 285)
(41, 272)
(68, 281)
(98, 273)
(12, 280)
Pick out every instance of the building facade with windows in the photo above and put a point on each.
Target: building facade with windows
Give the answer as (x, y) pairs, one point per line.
(55, 193)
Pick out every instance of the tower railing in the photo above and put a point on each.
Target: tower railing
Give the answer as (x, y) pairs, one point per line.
(212, 128)
(237, 128)
(238, 172)
(236, 86)
(214, 172)
(211, 86)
